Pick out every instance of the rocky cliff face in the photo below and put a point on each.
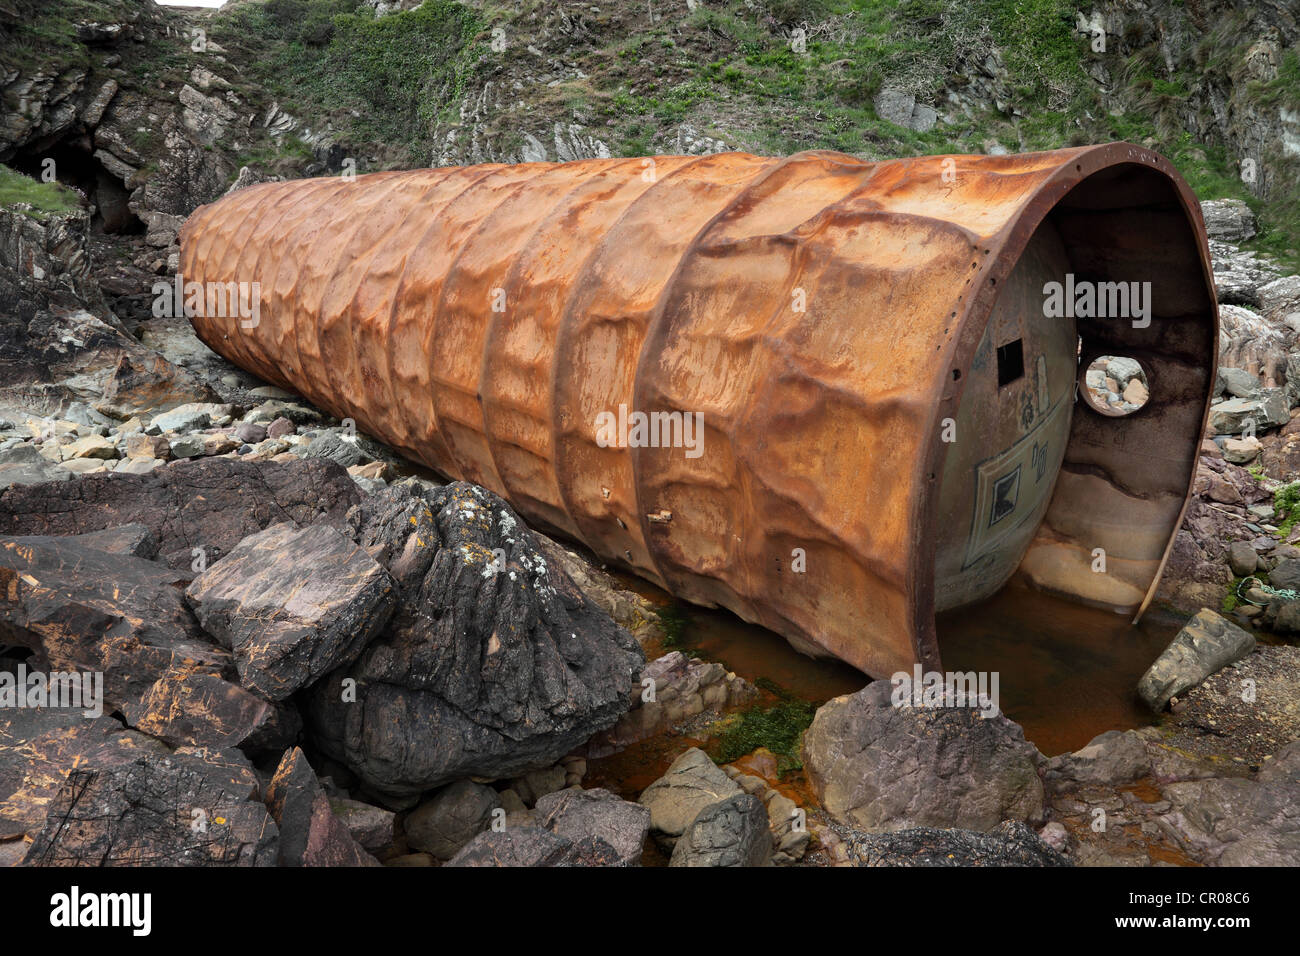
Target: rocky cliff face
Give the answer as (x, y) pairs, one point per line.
(152, 111)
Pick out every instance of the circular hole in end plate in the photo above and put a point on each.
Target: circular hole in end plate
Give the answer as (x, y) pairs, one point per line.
(1115, 385)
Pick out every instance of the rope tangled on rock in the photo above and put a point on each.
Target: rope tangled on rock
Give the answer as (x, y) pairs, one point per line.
(1286, 594)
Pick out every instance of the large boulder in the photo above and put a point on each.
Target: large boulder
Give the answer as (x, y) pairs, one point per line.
(210, 504)
(881, 767)
(494, 663)
(691, 783)
(732, 832)
(292, 604)
(577, 814)
(1205, 645)
(310, 833)
(192, 807)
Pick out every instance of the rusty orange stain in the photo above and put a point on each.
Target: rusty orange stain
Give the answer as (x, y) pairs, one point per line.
(817, 310)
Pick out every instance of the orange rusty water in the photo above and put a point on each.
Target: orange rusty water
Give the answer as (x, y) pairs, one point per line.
(1066, 672)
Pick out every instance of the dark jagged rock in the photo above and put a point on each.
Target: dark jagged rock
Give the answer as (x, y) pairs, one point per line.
(731, 832)
(395, 527)
(577, 814)
(82, 609)
(881, 767)
(38, 746)
(310, 833)
(210, 503)
(516, 846)
(193, 807)
(190, 707)
(1011, 844)
(494, 665)
(292, 605)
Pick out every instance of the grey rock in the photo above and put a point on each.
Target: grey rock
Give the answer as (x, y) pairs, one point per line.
(1114, 757)
(691, 783)
(451, 818)
(881, 767)
(1243, 821)
(1230, 220)
(23, 465)
(1238, 382)
(160, 810)
(210, 503)
(1242, 558)
(292, 605)
(732, 832)
(1205, 645)
(1286, 575)
(1270, 410)
(576, 814)
(515, 846)
(189, 417)
(334, 448)
(370, 826)
(187, 446)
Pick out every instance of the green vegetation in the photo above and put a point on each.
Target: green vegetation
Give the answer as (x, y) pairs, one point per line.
(1287, 514)
(1231, 600)
(672, 621)
(46, 199)
(377, 79)
(779, 729)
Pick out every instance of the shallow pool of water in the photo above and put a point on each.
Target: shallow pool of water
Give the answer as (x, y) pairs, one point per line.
(1066, 672)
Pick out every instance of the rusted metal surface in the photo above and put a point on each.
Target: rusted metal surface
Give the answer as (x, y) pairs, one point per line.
(824, 314)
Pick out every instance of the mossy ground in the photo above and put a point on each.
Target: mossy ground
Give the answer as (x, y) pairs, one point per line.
(46, 199)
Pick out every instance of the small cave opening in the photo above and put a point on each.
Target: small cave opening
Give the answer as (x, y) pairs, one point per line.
(75, 165)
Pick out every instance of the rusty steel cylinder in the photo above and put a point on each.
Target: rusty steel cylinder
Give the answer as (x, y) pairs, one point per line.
(738, 376)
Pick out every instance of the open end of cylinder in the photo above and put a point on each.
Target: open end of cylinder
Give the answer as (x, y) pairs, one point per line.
(1077, 433)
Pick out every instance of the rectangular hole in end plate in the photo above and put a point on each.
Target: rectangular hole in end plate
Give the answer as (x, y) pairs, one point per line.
(1011, 362)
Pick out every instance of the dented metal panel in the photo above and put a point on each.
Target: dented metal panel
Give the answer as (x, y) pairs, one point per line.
(821, 314)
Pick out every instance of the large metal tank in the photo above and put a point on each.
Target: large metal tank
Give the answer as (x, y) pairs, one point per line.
(842, 327)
